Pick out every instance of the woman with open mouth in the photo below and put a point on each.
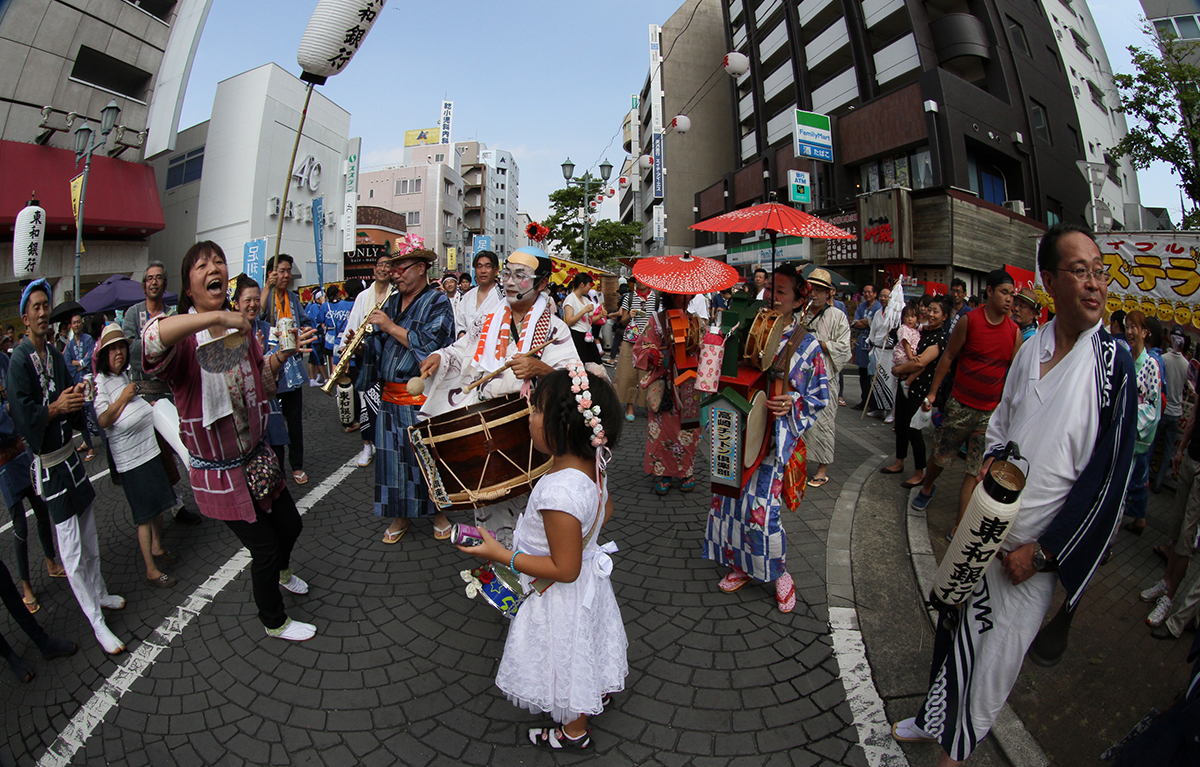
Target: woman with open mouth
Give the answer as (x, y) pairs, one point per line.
(223, 409)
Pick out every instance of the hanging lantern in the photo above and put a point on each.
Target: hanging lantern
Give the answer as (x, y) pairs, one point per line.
(612, 192)
(623, 182)
(29, 232)
(645, 161)
(682, 124)
(334, 34)
(737, 64)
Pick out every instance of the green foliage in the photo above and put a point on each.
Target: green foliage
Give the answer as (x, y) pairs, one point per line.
(607, 240)
(1163, 100)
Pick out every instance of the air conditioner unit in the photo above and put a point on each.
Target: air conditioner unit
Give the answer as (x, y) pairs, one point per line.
(1016, 206)
(273, 207)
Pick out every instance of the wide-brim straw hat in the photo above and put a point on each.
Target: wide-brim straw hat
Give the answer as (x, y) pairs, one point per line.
(1030, 296)
(420, 254)
(111, 334)
(820, 278)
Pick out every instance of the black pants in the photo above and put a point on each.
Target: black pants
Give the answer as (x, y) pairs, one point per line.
(270, 539)
(292, 405)
(906, 408)
(21, 530)
(20, 613)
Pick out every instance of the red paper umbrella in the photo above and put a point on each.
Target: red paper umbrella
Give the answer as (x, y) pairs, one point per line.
(776, 219)
(685, 274)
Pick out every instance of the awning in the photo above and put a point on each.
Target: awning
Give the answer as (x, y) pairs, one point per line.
(122, 196)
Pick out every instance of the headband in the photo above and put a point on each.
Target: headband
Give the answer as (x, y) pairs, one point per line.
(38, 284)
(589, 410)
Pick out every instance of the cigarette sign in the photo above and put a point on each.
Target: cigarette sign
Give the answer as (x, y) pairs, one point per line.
(812, 137)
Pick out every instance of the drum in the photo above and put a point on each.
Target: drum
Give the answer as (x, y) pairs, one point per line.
(478, 455)
(756, 431)
(764, 338)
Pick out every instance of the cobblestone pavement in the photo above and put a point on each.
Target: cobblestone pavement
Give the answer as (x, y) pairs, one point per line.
(402, 668)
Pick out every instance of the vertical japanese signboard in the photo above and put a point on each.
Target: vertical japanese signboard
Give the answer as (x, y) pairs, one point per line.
(350, 205)
(254, 259)
(318, 217)
(656, 154)
(447, 119)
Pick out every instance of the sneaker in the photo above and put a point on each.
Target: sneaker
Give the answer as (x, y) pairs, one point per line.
(1159, 613)
(367, 455)
(1154, 592)
(290, 582)
(294, 631)
(921, 501)
(314, 382)
(890, 419)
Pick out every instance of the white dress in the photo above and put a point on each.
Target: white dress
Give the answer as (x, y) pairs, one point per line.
(567, 647)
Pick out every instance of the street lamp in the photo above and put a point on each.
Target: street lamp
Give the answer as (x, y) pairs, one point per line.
(85, 144)
(568, 169)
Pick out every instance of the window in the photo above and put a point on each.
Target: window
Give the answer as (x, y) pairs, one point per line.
(1164, 27)
(1188, 29)
(991, 184)
(160, 9)
(113, 75)
(185, 168)
(439, 158)
(1081, 43)
(401, 186)
(413, 218)
(416, 186)
(1017, 32)
(1039, 121)
(371, 194)
(1114, 168)
(1073, 138)
(1054, 211)
(1097, 96)
(1054, 57)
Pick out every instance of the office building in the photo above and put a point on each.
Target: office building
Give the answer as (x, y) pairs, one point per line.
(491, 183)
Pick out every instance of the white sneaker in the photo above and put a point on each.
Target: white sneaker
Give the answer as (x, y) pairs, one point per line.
(108, 640)
(294, 631)
(112, 602)
(367, 455)
(1159, 613)
(314, 382)
(293, 584)
(1154, 592)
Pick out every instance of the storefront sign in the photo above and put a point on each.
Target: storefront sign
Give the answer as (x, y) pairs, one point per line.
(885, 226)
(843, 250)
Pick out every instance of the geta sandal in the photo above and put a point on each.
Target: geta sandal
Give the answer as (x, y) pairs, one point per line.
(31, 605)
(817, 481)
(442, 533)
(785, 593)
(390, 537)
(733, 582)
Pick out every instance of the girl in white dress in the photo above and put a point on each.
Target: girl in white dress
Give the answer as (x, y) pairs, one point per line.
(566, 649)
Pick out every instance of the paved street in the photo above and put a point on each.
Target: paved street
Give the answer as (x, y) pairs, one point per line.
(401, 670)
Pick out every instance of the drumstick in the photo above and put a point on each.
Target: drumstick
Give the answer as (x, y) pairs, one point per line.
(416, 384)
(509, 364)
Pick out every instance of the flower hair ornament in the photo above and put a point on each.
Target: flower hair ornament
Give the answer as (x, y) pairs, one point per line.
(587, 408)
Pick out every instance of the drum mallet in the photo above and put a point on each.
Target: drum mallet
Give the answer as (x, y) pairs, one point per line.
(509, 364)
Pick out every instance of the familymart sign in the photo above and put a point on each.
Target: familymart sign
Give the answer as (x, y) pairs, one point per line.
(812, 137)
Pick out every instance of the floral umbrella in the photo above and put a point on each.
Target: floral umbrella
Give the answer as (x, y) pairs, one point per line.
(686, 274)
(775, 219)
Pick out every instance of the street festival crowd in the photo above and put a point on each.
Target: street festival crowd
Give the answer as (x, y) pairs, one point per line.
(1101, 406)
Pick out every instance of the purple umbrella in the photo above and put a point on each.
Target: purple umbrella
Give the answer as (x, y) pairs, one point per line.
(117, 292)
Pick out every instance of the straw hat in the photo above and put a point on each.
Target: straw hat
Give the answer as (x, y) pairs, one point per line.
(821, 278)
(111, 334)
(1030, 296)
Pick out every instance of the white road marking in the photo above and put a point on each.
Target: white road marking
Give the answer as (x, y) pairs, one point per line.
(29, 512)
(92, 713)
(874, 732)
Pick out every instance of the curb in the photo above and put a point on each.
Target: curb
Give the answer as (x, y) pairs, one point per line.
(1017, 745)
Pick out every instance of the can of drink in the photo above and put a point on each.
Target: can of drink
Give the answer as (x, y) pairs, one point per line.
(286, 329)
(89, 388)
(465, 535)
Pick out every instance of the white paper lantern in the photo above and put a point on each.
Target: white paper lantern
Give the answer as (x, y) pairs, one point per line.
(645, 161)
(682, 124)
(335, 33)
(737, 64)
(623, 181)
(29, 232)
(612, 192)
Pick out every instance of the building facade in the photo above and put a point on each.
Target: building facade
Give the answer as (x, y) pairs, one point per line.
(225, 179)
(61, 66)
(491, 183)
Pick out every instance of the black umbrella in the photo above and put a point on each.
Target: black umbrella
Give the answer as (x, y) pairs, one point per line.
(65, 311)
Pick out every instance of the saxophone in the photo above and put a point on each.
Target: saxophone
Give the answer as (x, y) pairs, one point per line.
(348, 352)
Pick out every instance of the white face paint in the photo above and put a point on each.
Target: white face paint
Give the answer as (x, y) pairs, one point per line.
(518, 281)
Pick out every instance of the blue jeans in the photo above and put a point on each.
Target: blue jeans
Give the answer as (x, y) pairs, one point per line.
(1168, 435)
(1137, 495)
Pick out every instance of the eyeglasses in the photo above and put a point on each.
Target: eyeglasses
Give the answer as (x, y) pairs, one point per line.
(1083, 274)
(401, 269)
(520, 274)
(156, 278)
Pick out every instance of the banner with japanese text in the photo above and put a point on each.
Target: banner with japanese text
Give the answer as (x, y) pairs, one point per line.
(1155, 272)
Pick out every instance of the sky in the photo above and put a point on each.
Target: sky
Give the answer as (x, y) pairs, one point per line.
(544, 80)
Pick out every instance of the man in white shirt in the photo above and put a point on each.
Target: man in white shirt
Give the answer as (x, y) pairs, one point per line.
(832, 329)
(368, 401)
(481, 300)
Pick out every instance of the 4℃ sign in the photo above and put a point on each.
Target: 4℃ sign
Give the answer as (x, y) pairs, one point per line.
(812, 136)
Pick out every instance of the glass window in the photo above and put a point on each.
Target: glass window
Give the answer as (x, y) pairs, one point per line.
(414, 218)
(185, 168)
(991, 184)
(1040, 122)
(416, 186)
(401, 186)
(1164, 27)
(1017, 33)
(1073, 136)
(439, 158)
(371, 194)
(1188, 28)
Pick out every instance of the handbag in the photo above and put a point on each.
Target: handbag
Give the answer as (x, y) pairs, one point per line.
(263, 474)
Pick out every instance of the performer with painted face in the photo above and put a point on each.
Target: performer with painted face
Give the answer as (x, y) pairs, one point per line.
(525, 321)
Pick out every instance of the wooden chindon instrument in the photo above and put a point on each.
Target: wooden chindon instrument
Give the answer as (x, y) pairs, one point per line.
(986, 522)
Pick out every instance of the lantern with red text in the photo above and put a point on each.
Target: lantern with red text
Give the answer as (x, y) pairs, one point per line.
(334, 34)
(29, 232)
(737, 64)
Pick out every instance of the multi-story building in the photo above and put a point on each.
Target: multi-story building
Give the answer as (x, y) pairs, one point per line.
(61, 66)
(429, 193)
(955, 134)
(225, 180)
(491, 183)
(685, 54)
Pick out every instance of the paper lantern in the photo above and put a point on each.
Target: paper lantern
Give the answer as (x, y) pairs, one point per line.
(335, 33)
(29, 231)
(737, 64)
(645, 161)
(623, 181)
(682, 124)
(612, 192)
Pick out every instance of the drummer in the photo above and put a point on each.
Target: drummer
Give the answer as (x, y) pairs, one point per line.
(746, 533)
(525, 320)
(415, 321)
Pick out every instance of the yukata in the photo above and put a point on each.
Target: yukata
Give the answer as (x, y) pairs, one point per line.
(747, 532)
(400, 489)
(15, 486)
(484, 349)
(32, 384)
(1076, 428)
(1149, 410)
(368, 399)
(831, 328)
(670, 447)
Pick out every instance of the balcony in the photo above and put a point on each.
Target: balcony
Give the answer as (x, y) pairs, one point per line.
(739, 37)
(875, 11)
(777, 81)
(837, 92)
(959, 34)
(773, 41)
(749, 145)
(818, 13)
(780, 125)
(763, 13)
(896, 60)
(735, 11)
(746, 107)
(827, 43)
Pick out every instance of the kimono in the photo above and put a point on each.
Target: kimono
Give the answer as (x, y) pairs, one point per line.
(831, 327)
(670, 448)
(747, 532)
